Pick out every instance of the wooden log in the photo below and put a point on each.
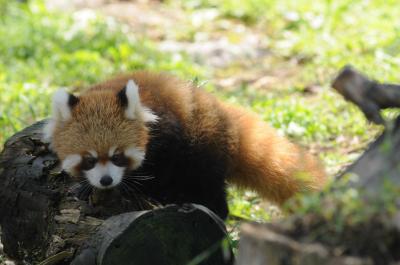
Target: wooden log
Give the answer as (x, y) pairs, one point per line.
(379, 164)
(189, 234)
(369, 95)
(46, 217)
(260, 244)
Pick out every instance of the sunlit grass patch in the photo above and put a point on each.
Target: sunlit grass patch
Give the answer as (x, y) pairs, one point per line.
(324, 35)
(42, 50)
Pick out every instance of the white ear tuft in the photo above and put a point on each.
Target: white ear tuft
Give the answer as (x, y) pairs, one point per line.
(134, 109)
(61, 105)
(132, 95)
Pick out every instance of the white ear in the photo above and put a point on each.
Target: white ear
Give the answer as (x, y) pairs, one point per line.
(134, 108)
(62, 104)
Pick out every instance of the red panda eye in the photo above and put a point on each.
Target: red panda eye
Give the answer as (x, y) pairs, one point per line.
(88, 163)
(119, 160)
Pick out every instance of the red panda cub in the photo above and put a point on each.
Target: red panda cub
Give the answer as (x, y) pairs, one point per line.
(185, 142)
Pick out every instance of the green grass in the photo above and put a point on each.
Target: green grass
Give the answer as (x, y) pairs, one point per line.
(41, 51)
(325, 35)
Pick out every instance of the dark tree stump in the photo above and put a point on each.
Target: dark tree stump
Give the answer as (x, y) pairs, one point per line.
(369, 95)
(374, 241)
(167, 236)
(47, 218)
(380, 162)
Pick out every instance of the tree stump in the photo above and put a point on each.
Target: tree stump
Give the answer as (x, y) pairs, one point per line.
(370, 232)
(189, 234)
(47, 218)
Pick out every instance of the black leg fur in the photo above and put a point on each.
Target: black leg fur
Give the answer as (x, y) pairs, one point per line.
(183, 172)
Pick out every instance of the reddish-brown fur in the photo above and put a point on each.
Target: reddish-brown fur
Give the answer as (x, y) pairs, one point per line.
(259, 159)
(104, 126)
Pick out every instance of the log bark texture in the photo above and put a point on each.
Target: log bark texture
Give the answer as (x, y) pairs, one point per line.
(48, 218)
(370, 96)
(261, 244)
(375, 241)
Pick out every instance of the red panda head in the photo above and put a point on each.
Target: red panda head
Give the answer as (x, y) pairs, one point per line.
(100, 134)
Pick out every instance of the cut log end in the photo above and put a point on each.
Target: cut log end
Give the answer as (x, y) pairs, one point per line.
(170, 235)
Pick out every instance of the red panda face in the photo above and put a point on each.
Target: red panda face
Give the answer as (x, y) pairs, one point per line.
(101, 134)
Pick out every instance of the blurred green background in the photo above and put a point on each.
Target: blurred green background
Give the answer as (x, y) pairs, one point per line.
(274, 57)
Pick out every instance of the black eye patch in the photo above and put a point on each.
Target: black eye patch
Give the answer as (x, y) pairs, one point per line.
(88, 162)
(120, 160)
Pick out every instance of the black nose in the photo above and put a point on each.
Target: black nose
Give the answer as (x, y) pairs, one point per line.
(106, 180)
